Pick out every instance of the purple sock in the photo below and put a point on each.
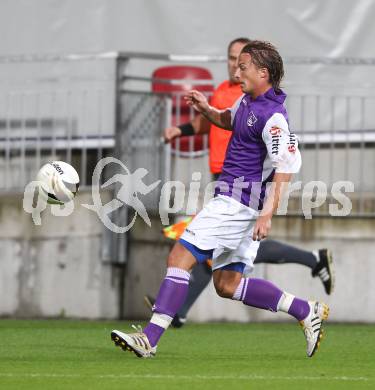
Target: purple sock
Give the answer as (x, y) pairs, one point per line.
(258, 293)
(299, 309)
(153, 332)
(265, 295)
(171, 296)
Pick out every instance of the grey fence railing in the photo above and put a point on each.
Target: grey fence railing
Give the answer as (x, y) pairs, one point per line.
(82, 108)
(54, 108)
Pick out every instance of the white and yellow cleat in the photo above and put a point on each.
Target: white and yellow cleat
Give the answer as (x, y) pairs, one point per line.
(134, 342)
(312, 326)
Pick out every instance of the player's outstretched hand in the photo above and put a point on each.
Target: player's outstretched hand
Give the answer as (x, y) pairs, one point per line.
(170, 133)
(197, 100)
(261, 228)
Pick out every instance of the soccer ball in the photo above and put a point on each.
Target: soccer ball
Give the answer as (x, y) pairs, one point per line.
(58, 181)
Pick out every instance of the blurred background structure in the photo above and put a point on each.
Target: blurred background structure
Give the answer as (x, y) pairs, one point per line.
(81, 80)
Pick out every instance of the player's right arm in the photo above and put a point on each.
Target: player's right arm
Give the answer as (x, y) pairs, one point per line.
(220, 118)
(282, 148)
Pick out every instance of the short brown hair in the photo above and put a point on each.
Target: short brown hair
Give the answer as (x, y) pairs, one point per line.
(265, 55)
(243, 40)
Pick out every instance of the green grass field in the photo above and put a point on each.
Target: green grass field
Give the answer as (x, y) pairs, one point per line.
(60, 354)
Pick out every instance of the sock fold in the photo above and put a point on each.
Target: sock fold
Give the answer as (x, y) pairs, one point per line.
(261, 294)
(171, 296)
(265, 295)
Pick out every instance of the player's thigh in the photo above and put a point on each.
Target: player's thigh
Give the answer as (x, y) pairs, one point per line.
(226, 282)
(180, 257)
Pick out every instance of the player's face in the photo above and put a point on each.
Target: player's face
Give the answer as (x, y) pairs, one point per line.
(233, 54)
(248, 75)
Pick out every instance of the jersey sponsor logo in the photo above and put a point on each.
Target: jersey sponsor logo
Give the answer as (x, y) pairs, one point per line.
(274, 130)
(292, 144)
(275, 136)
(251, 119)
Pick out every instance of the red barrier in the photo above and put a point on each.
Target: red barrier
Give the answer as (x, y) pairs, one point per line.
(177, 80)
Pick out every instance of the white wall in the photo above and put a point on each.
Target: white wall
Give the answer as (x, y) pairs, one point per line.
(352, 244)
(55, 269)
(309, 28)
(298, 27)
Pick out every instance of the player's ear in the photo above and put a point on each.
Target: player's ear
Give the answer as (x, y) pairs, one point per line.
(263, 73)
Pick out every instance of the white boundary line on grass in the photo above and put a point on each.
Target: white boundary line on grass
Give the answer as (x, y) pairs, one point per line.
(190, 377)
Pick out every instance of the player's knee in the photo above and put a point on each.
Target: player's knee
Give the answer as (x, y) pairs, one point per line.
(173, 259)
(224, 289)
(180, 257)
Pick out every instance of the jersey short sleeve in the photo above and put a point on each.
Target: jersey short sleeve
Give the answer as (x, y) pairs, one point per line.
(282, 145)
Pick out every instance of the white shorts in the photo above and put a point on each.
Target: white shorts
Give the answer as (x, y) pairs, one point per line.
(226, 226)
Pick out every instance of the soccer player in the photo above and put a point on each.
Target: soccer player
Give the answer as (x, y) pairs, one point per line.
(270, 251)
(230, 226)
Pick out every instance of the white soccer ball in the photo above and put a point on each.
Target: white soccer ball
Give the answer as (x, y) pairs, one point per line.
(59, 182)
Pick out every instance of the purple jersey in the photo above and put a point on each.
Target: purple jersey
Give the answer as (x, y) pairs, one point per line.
(261, 144)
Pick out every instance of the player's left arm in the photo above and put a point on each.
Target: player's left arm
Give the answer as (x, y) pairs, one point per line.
(282, 148)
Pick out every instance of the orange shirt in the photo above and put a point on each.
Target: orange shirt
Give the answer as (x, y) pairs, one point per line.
(224, 96)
